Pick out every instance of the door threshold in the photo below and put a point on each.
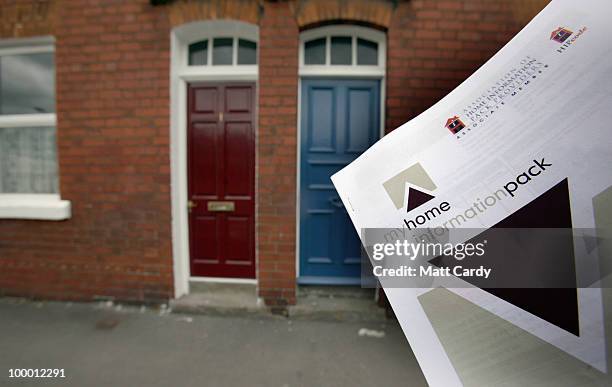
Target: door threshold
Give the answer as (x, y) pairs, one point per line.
(220, 299)
(225, 280)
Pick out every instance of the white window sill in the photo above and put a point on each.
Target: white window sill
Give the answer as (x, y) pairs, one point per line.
(34, 206)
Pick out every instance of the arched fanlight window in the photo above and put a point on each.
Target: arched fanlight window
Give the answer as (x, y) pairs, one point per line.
(341, 51)
(342, 46)
(222, 51)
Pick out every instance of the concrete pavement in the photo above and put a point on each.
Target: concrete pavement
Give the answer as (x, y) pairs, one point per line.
(102, 344)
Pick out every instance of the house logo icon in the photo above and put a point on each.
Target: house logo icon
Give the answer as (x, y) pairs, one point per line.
(560, 34)
(420, 187)
(454, 124)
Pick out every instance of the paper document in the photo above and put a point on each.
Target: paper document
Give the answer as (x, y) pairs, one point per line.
(525, 141)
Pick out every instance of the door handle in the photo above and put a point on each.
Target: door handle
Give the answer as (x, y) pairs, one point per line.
(191, 205)
(336, 202)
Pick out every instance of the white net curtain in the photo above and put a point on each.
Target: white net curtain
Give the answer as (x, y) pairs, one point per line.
(28, 160)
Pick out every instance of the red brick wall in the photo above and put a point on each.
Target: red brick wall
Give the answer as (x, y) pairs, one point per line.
(313, 12)
(25, 18)
(113, 130)
(433, 45)
(277, 139)
(112, 106)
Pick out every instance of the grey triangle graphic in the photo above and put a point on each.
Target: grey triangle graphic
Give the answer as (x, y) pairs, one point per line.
(415, 175)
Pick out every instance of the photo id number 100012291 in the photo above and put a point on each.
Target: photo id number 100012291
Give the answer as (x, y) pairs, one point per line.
(37, 373)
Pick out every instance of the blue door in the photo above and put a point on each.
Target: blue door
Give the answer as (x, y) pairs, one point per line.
(339, 121)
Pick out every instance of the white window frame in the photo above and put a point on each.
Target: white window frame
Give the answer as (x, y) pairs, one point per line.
(209, 52)
(195, 32)
(31, 205)
(354, 32)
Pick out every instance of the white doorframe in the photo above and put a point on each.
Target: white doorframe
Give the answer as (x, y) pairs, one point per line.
(180, 75)
(353, 71)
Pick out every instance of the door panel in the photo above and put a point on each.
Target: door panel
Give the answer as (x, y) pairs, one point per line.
(339, 121)
(322, 130)
(205, 239)
(237, 136)
(221, 167)
(206, 100)
(238, 251)
(204, 157)
(238, 100)
(358, 134)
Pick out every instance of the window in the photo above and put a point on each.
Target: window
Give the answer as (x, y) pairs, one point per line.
(198, 53)
(315, 52)
(28, 147)
(28, 153)
(367, 52)
(342, 51)
(223, 51)
(338, 50)
(247, 52)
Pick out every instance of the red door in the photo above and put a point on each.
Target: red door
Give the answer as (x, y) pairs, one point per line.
(221, 169)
